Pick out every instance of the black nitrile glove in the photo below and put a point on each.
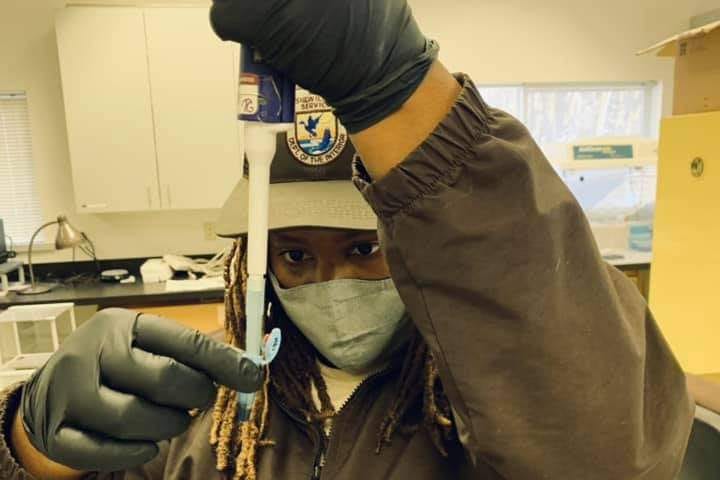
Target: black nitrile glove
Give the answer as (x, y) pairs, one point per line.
(365, 57)
(122, 382)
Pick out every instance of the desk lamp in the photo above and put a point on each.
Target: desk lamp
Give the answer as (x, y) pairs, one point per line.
(67, 237)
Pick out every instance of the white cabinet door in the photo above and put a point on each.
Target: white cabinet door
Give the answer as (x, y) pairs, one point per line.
(104, 71)
(193, 78)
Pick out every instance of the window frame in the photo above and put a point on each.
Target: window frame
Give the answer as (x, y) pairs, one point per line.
(21, 244)
(652, 90)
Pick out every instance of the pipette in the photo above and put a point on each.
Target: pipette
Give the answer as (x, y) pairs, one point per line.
(266, 102)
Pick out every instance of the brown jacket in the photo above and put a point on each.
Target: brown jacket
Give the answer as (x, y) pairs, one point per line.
(553, 364)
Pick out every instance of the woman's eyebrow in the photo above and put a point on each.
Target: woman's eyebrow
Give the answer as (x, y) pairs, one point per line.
(361, 235)
(287, 238)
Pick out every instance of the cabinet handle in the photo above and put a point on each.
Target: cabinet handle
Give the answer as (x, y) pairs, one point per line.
(149, 196)
(94, 205)
(169, 197)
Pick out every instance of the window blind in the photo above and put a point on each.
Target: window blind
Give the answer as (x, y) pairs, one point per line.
(19, 202)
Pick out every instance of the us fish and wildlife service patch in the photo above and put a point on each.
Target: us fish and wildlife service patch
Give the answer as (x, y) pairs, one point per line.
(318, 137)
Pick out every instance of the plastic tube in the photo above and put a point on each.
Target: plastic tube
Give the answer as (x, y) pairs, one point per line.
(267, 104)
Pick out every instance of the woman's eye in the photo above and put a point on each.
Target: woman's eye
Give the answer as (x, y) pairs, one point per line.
(295, 256)
(365, 249)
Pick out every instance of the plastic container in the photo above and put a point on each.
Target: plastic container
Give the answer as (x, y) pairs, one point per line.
(640, 236)
(29, 335)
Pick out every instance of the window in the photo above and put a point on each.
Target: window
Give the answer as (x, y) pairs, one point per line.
(562, 113)
(19, 202)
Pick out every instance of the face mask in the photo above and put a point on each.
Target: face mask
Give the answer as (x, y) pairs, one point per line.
(355, 324)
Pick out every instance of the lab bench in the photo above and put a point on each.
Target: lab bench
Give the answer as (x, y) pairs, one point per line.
(114, 295)
(201, 309)
(154, 297)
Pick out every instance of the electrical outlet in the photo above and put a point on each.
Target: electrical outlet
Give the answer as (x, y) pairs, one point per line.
(209, 229)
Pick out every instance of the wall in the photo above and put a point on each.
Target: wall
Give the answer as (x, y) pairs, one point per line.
(28, 55)
(555, 41)
(494, 41)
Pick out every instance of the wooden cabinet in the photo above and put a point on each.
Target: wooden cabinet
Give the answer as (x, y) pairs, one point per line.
(640, 277)
(686, 258)
(150, 97)
(205, 317)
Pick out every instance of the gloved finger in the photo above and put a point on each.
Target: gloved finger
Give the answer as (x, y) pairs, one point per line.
(162, 380)
(90, 452)
(222, 362)
(238, 21)
(124, 416)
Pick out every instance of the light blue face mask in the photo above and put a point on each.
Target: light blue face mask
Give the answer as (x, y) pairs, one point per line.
(355, 324)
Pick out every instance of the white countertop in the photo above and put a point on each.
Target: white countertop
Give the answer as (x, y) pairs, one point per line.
(626, 257)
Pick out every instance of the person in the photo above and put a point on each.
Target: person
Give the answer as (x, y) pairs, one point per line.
(476, 333)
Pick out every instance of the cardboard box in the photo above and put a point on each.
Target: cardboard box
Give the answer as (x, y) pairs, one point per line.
(697, 68)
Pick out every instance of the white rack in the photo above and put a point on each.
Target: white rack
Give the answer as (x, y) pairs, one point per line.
(5, 285)
(18, 365)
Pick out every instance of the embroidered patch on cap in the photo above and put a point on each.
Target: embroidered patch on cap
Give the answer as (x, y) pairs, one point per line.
(318, 137)
(317, 148)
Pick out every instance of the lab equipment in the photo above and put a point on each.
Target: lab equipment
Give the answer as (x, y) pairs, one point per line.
(29, 334)
(155, 270)
(640, 236)
(5, 285)
(67, 237)
(199, 273)
(603, 153)
(613, 179)
(115, 275)
(267, 103)
(4, 254)
(179, 263)
(195, 267)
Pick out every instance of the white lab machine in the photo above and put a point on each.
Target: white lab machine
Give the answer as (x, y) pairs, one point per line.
(614, 180)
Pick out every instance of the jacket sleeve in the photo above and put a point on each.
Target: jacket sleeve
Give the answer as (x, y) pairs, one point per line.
(551, 360)
(10, 469)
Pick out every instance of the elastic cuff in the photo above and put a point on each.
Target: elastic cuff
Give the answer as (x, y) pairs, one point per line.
(9, 404)
(436, 160)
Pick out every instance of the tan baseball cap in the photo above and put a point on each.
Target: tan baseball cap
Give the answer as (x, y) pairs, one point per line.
(309, 186)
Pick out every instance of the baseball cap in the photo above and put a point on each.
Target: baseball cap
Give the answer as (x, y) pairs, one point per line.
(310, 182)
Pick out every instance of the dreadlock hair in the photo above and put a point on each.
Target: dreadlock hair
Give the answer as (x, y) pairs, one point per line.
(294, 373)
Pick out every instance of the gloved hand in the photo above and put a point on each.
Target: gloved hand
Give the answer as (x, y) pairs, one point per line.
(365, 57)
(122, 382)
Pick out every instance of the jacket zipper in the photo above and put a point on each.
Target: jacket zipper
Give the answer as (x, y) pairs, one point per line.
(325, 438)
(320, 456)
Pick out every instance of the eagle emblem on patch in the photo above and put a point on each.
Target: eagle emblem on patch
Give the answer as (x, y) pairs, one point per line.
(318, 137)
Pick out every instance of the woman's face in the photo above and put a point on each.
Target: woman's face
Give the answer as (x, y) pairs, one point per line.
(309, 255)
